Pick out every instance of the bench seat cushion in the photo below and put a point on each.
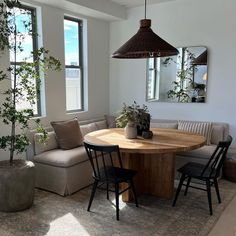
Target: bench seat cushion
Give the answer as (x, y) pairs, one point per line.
(62, 158)
(204, 152)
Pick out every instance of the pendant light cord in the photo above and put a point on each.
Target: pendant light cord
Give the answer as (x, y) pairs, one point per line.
(145, 8)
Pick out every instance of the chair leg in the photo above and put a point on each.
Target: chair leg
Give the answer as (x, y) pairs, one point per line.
(95, 184)
(107, 191)
(178, 189)
(117, 200)
(217, 190)
(208, 185)
(187, 185)
(134, 192)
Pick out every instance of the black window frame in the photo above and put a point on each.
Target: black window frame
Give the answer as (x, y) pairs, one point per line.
(80, 66)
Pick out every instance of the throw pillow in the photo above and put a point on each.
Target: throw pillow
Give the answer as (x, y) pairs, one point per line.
(68, 133)
(50, 144)
(111, 121)
(202, 128)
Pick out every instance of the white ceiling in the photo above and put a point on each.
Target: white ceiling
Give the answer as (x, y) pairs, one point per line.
(133, 3)
(104, 9)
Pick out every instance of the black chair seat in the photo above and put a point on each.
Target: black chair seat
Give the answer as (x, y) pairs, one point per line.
(195, 170)
(207, 173)
(115, 175)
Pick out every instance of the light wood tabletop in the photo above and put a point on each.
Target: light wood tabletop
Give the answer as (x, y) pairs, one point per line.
(163, 141)
(154, 159)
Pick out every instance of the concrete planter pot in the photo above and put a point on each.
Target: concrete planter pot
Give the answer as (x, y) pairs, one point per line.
(16, 185)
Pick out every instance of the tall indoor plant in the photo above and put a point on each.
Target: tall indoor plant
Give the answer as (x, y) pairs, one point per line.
(17, 175)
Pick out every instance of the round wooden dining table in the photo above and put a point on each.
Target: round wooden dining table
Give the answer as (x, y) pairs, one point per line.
(154, 159)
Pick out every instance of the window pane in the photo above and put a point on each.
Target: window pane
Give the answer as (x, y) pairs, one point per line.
(23, 19)
(22, 102)
(151, 83)
(151, 63)
(71, 35)
(73, 63)
(153, 78)
(24, 38)
(73, 89)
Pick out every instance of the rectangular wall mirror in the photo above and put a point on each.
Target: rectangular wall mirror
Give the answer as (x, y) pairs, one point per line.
(181, 78)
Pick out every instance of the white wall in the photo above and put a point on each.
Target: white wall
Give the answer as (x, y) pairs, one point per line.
(208, 23)
(96, 65)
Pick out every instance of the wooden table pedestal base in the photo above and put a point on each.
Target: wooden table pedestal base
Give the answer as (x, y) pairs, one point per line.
(156, 173)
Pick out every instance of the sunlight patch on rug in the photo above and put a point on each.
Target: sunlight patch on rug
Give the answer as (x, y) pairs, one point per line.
(58, 226)
(121, 203)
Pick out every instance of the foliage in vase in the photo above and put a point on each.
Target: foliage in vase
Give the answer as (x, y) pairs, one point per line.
(24, 77)
(133, 113)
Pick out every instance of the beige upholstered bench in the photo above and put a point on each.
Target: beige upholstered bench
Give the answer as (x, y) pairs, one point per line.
(61, 171)
(219, 131)
(67, 171)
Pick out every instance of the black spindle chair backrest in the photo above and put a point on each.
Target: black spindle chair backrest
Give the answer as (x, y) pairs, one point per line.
(102, 159)
(216, 161)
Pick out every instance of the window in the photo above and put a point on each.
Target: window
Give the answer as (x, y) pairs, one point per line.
(25, 21)
(153, 78)
(73, 64)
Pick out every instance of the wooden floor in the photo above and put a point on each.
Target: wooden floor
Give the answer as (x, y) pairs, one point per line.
(226, 225)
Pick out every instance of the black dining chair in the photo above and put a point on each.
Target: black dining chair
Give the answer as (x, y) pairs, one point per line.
(207, 173)
(102, 159)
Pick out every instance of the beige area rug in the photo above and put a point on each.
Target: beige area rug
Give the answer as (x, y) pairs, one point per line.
(67, 216)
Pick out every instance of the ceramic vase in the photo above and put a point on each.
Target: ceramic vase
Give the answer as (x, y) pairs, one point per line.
(131, 130)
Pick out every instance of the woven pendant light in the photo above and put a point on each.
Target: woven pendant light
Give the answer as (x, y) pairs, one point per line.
(145, 44)
(201, 59)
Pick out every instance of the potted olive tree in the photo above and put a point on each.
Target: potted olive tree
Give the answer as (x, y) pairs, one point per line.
(17, 175)
(134, 119)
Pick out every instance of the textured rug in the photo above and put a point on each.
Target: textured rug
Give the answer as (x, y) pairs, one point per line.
(55, 215)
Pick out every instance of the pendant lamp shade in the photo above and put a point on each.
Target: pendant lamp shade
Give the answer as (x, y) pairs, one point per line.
(145, 44)
(201, 59)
